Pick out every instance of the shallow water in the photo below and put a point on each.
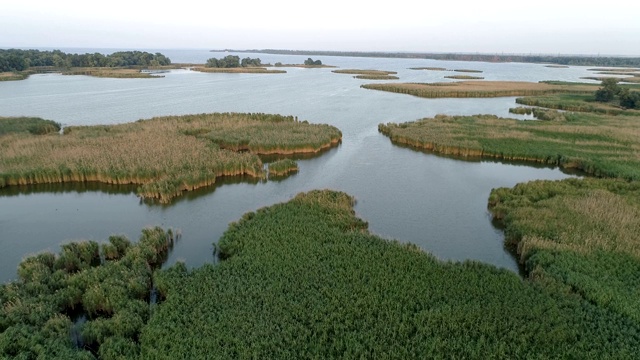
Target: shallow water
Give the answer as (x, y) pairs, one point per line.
(436, 202)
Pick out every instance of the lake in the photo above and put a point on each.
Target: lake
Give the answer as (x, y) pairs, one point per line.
(436, 202)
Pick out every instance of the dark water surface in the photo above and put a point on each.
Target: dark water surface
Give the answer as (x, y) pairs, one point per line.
(436, 202)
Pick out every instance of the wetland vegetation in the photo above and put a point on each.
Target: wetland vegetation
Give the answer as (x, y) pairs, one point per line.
(306, 279)
(369, 74)
(464, 77)
(473, 89)
(165, 156)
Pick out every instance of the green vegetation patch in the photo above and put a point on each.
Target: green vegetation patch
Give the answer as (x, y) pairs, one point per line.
(305, 279)
(468, 70)
(606, 146)
(165, 155)
(364, 72)
(479, 89)
(109, 283)
(35, 126)
(429, 68)
(282, 167)
(238, 70)
(376, 77)
(582, 234)
(464, 77)
(576, 102)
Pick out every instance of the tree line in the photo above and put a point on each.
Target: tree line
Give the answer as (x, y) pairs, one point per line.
(233, 61)
(21, 60)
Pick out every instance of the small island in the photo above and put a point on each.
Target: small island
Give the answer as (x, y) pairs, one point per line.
(308, 64)
(369, 74)
(464, 77)
(164, 156)
(233, 64)
(479, 89)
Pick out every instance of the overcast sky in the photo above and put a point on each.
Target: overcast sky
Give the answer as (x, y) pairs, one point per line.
(543, 26)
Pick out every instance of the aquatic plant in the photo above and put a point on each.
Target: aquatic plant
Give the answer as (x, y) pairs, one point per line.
(165, 156)
(306, 279)
(36, 310)
(282, 167)
(475, 89)
(605, 146)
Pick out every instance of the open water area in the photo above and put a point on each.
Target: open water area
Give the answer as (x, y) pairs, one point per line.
(438, 203)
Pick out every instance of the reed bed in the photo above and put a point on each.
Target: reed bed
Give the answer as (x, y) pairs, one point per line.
(376, 77)
(576, 102)
(107, 72)
(479, 89)
(12, 76)
(282, 167)
(557, 66)
(468, 70)
(238, 70)
(364, 72)
(35, 126)
(110, 284)
(604, 146)
(464, 77)
(306, 279)
(429, 68)
(165, 156)
(582, 234)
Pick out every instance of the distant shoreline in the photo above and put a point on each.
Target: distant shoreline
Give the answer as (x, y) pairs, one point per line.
(577, 60)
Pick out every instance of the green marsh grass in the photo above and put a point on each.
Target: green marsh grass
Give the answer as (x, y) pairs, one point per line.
(464, 77)
(429, 68)
(576, 102)
(111, 290)
(581, 234)
(282, 167)
(376, 77)
(35, 126)
(364, 72)
(165, 156)
(468, 70)
(305, 279)
(604, 146)
(479, 89)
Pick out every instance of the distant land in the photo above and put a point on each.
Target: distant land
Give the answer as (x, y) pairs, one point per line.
(560, 59)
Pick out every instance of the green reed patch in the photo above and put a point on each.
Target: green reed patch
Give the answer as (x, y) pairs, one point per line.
(109, 283)
(581, 234)
(605, 146)
(305, 279)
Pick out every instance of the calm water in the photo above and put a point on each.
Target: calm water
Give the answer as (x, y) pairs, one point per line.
(438, 203)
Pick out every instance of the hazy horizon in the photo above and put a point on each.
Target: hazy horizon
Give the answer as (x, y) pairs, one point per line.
(546, 27)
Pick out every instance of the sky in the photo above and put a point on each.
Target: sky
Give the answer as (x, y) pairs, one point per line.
(531, 27)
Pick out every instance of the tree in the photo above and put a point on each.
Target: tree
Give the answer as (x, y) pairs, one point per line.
(608, 90)
(629, 99)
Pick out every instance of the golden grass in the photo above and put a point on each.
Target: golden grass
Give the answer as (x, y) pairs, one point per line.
(364, 72)
(473, 89)
(106, 72)
(11, 76)
(238, 70)
(166, 155)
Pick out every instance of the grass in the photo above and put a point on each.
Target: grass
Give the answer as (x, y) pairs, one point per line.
(305, 279)
(30, 125)
(238, 70)
(364, 72)
(106, 72)
(557, 66)
(479, 89)
(464, 77)
(12, 76)
(605, 146)
(376, 77)
(165, 156)
(468, 70)
(582, 234)
(282, 167)
(110, 284)
(576, 102)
